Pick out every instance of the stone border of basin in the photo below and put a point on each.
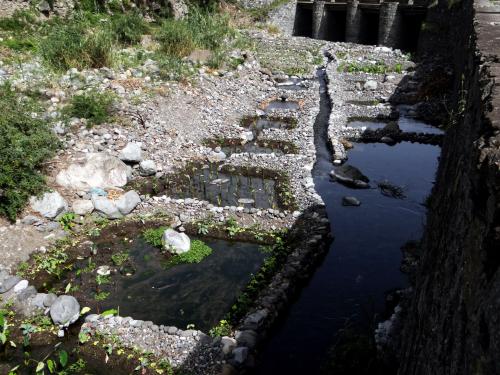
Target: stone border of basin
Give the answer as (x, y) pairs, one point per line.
(236, 352)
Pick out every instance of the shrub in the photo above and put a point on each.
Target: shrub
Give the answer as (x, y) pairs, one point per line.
(201, 29)
(92, 105)
(128, 28)
(176, 38)
(77, 44)
(26, 142)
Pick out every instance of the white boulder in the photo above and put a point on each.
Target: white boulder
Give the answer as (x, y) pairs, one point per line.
(176, 242)
(131, 153)
(100, 170)
(82, 206)
(49, 204)
(106, 207)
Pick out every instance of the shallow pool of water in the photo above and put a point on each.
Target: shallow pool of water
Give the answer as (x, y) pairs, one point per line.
(282, 105)
(364, 259)
(199, 294)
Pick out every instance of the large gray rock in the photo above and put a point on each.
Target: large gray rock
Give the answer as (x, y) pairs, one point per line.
(176, 242)
(131, 153)
(246, 338)
(100, 170)
(82, 206)
(8, 283)
(65, 310)
(106, 207)
(240, 355)
(128, 201)
(49, 204)
(147, 168)
(351, 201)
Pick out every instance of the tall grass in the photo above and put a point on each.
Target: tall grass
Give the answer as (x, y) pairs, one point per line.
(201, 29)
(77, 44)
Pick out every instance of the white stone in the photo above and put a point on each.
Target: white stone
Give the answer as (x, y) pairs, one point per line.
(65, 310)
(100, 170)
(127, 202)
(20, 286)
(82, 206)
(49, 205)
(106, 207)
(370, 85)
(176, 242)
(147, 168)
(131, 153)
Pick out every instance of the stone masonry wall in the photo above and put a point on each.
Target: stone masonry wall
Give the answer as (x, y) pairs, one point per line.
(453, 319)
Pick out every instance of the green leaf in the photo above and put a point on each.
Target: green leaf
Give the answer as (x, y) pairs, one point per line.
(109, 312)
(63, 358)
(2, 321)
(40, 367)
(51, 365)
(68, 288)
(85, 310)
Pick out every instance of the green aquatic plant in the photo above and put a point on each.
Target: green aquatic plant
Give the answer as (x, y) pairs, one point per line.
(153, 236)
(198, 251)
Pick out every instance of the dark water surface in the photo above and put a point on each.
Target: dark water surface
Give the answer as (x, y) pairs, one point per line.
(199, 294)
(364, 259)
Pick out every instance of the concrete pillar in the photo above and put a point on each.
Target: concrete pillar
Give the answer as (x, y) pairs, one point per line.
(353, 22)
(389, 29)
(318, 19)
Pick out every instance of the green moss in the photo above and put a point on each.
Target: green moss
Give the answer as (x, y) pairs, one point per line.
(377, 68)
(199, 250)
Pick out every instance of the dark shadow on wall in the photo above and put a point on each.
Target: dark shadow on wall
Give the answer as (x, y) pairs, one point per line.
(335, 30)
(303, 21)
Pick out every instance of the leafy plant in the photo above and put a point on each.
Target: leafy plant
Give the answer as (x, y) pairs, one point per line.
(102, 279)
(221, 329)
(101, 296)
(198, 251)
(119, 258)
(94, 106)
(67, 221)
(52, 261)
(26, 142)
(153, 236)
(232, 227)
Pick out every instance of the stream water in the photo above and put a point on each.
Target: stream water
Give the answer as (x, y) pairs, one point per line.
(364, 259)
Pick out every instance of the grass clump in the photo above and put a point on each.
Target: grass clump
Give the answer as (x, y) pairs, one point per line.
(94, 106)
(18, 22)
(198, 251)
(202, 29)
(77, 44)
(128, 28)
(153, 236)
(26, 142)
(377, 68)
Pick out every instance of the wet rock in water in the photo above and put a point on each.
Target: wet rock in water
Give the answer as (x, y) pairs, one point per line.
(350, 201)
(8, 283)
(49, 205)
(370, 85)
(350, 176)
(131, 153)
(106, 207)
(392, 127)
(147, 168)
(390, 190)
(100, 170)
(176, 242)
(128, 201)
(388, 140)
(65, 310)
(82, 206)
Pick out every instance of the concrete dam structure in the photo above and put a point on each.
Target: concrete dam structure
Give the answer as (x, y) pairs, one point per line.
(387, 23)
